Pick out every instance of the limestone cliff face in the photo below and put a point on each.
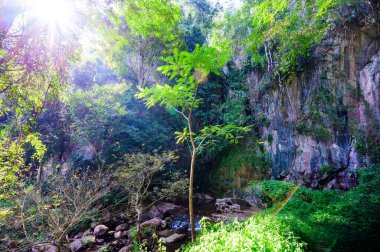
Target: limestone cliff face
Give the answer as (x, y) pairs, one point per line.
(322, 124)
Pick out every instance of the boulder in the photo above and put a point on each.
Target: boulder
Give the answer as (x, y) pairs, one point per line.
(120, 234)
(253, 201)
(155, 223)
(167, 208)
(100, 230)
(99, 241)
(128, 248)
(88, 240)
(122, 227)
(165, 233)
(162, 210)
(235, 208)
(226, 201)
(154, 212)
(87, 232)
(45, 247)
(77, 245)
(224, 205)
(172, 238)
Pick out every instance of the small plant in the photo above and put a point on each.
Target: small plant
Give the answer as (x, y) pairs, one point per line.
(85, 241)
(264, 120)
(270, 139)
(104, 248)
(328, 169)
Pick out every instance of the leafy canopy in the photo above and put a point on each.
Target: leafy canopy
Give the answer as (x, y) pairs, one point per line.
(189, 69)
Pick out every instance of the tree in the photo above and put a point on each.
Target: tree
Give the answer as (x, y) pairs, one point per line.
(138, 32)
(33, 72)
(190, 71)
(139, 172)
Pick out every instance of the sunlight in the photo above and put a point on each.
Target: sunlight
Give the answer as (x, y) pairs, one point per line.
(54, 12)
(57, 17)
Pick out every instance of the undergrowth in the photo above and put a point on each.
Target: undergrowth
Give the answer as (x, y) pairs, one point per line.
(323, 220)
(256, 234)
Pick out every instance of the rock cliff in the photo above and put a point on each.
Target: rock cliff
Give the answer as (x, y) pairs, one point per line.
(321, 124)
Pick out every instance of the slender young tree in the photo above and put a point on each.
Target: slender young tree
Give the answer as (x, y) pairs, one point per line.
(190, 70)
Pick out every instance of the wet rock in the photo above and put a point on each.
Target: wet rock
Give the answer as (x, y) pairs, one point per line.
(172, 238)
(128, 248)
(45, 247)
(166, 233)
(100, 230)
(122, 227)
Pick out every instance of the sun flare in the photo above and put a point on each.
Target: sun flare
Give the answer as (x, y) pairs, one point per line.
(58, 12)
(55, 15)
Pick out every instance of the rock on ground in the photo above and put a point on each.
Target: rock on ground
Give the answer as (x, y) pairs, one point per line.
(166, 233)
(122, 227)
(100, 230)
(155, 223)
(45, 247)
(173, 238)
(128, 248)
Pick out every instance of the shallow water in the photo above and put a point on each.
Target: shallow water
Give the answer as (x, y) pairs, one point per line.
(181, 222)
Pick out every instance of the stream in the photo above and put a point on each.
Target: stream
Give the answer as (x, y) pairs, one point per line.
(202, 208)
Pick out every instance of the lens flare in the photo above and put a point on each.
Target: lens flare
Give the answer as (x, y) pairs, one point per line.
(57, 17)
(58, 12)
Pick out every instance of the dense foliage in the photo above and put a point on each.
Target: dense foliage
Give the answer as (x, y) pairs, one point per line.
(255, 234)
(334, 220)
(342, 221)
(77, 141)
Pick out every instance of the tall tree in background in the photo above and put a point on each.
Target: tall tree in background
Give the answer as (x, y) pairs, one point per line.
(190, 70)
(138, 32)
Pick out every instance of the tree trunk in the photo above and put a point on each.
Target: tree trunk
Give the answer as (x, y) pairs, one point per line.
(140, 71)
(191, 186)
(138, 231)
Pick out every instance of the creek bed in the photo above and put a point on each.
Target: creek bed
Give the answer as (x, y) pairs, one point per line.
(202, 208)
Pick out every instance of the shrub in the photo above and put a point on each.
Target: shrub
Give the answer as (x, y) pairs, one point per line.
(326, 219)
(276, 190)
(258, 233)
(54, 208)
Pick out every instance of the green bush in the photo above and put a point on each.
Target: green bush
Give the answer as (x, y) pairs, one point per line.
(276, 190)
(332, 220)
(260, 233)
